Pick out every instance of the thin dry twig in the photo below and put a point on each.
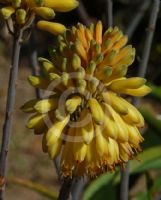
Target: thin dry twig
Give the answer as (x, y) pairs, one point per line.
(137, 18)
(141, 73)
(9, 28)
(109, 13)
(84, 17)
(9, 109)
(149, 38)
(11, 94)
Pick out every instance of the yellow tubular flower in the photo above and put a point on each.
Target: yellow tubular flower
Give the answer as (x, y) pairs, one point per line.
(61, 5)
(52, 27)
(44, 12)
(24, 11)
(92, 126)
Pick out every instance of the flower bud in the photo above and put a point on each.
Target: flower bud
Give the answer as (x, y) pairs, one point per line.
(61, 5)
(52, 27)
(44, 12)
(6, 12)
(20, 16)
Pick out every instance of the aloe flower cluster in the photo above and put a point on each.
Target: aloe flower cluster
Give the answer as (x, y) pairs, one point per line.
(93, 127)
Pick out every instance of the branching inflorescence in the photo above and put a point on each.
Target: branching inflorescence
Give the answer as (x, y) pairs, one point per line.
(84, 117)
(23, 11)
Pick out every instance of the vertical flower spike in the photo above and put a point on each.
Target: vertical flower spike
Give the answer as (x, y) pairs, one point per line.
(92, 126)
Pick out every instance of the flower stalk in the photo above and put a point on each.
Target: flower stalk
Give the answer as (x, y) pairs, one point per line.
(9, 108)
(65, 189)
(149, 38)
(124, 188)
(137, 18)
(81, 10)
(109, 12)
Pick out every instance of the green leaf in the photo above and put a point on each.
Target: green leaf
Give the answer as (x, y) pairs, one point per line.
(153, 133)
(43, 190)
(105, 184)
(149, 159)
(156, 91)
(152, 164)
(151, 139)
(156, 186)
(101, 188)
(153, 122)
(142, 196)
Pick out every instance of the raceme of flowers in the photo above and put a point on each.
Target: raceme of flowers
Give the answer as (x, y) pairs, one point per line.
(23, 11)
(93, 127)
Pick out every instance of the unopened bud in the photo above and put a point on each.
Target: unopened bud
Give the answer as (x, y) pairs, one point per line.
(6, 12)
(44, 12)
(76, 62)
(20, 16)
(54, 28)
